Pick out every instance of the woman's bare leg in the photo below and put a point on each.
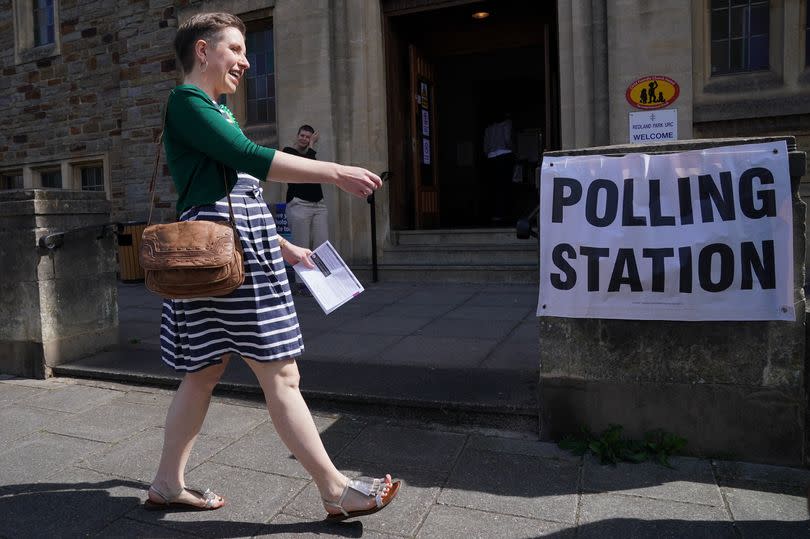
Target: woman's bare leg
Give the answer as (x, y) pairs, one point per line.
(183, 422)
(293, 422)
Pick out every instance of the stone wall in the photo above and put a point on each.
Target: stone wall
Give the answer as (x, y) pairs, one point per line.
(59, 304)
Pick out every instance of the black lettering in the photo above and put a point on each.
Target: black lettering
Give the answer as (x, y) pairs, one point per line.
(656, 219)
(685, 201)
(766, 196)
(685, 260)
(594, 254)
(709, 193)
(562, 264)
(750, 259)
(658, 267)
(611, 202)
(625, 258)
(628, 219)
(559, 199)
(726, 267)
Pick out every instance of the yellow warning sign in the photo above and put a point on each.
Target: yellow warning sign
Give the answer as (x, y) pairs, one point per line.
(652, 92)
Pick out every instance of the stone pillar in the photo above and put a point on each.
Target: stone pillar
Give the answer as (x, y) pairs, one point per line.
(61, 303)
(732, 389)
(330, 74)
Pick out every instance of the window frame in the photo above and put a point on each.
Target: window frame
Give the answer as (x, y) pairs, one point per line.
(747, 37)
(25, 48)
(70, 170)
(7, 173)
(265, 134)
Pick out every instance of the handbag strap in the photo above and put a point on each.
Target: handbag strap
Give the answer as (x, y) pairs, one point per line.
(155, 170)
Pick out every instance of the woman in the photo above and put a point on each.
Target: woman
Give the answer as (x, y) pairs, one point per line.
(204, 144)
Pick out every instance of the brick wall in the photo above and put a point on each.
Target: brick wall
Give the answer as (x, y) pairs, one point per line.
(102, 94)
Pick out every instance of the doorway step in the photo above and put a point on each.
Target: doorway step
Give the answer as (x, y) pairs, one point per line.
(480, 255)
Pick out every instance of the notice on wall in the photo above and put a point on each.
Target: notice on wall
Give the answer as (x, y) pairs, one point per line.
(654, 126)
(697, 235)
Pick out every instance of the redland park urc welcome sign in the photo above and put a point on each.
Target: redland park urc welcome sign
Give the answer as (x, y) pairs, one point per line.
(696, 235)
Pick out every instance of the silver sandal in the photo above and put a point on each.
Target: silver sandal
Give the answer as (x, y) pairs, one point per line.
(170, 501)
(367, 486)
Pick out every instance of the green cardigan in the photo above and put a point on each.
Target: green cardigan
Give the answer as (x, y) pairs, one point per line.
(200, 137)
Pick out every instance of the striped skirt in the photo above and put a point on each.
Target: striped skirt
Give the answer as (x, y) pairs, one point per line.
(257, 320)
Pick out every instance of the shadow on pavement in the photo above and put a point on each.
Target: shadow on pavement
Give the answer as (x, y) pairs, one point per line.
(694, 529)
(90, 508)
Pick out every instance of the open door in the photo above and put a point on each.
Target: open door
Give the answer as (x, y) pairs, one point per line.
(423, 139)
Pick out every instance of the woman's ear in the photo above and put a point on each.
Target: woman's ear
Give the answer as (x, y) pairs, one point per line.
(200, 47)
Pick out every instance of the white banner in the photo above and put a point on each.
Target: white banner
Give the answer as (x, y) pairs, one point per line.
(697, 235)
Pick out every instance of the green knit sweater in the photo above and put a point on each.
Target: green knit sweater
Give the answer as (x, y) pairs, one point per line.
(199, 138)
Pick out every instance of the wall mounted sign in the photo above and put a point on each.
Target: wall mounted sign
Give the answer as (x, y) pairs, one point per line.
(653, 126)
(652, 92)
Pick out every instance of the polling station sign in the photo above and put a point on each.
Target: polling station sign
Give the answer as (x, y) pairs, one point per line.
(696, 235)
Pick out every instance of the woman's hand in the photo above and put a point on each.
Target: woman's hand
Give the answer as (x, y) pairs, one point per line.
(294, 254)
(357, 181)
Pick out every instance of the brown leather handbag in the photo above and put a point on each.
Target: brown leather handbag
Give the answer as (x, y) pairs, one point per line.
(191, 259)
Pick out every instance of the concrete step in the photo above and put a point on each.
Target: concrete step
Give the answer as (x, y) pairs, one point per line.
(492, 398)
(448, 273)
(499, 236)
(456, 254)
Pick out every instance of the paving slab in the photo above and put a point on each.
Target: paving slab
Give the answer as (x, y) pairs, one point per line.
(729, 471)
(459, 327)
(519, 446)
(689, 480)
(460, 523)
(229, 421)
(111, 422)
(13, 394)
(138, 458)
(73, 502)
(402, 518)
(614, 515)
(67, 399)
(262, 449)
(489, 312)
(252, 499)
(338, 347)
(408, 447)
(752, 504)
(440, 352)
(523, 485)
(127, 527)
(384, 325)
(41, 455)
(293, 527)
(19, 421)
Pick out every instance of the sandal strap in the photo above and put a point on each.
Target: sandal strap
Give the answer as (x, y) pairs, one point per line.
(367, 486)
(207, 495)
(167, 499)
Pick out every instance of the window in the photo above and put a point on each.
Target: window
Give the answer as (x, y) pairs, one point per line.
(260, 78)
(50, 178)
(92, 178)
(36, 30)
(11, 180)
(43, 22)
(740, 36)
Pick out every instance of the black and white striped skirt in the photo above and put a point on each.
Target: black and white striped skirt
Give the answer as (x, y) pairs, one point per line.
(257, 320)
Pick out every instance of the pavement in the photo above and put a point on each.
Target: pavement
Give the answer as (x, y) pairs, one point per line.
(76, 456)
(468, 350)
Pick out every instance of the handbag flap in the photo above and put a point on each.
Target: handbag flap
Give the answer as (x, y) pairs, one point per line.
(187, 244)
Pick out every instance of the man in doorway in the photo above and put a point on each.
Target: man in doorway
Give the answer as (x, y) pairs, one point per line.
(498, 148)
(306, 210)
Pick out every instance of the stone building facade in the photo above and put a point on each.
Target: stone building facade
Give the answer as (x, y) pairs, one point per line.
(83, 83)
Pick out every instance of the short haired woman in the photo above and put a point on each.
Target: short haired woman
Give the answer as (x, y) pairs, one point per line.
(257, 321)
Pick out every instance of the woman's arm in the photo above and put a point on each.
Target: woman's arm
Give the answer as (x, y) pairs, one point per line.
(291, 168)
